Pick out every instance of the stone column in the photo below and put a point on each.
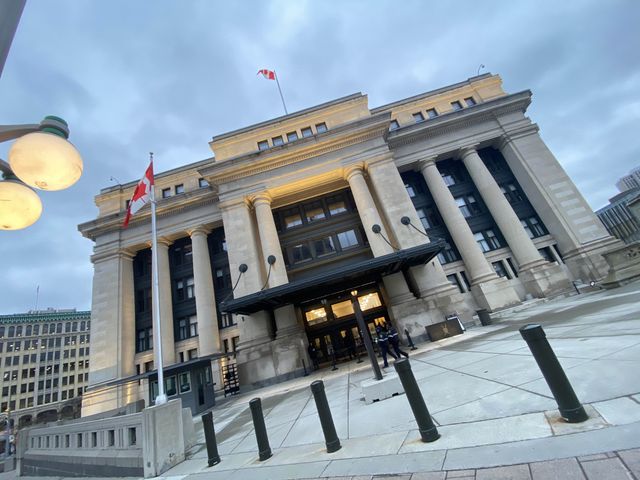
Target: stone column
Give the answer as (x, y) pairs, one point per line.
(166, 304)
(489, 291)
(269, 239)
(369, 215)
(254, 350)
(395, 202)
(523, 249)
(208, 334)
(477, 265)
(112, 353)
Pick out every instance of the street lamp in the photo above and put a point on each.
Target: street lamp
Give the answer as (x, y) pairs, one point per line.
(41, 158)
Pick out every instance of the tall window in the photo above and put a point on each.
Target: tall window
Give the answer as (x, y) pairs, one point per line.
(511, 193)
(487, 240)
(468, 205)
(185, 289)
(448, 254)
(533, 227)
(428, 217)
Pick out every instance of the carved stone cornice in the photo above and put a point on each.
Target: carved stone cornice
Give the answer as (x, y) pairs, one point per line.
(460, 119)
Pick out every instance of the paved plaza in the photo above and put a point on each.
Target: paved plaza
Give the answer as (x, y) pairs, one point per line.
(496, 415)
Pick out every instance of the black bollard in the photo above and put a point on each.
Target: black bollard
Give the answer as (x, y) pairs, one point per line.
(210, 439)
(413, 347)
(326, 420)
(264, 450)
(570, 408)
(428, 430)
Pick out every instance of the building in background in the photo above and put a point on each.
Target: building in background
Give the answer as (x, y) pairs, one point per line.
(308, 213)
(630, 181)
(44, 364)
(620, 218)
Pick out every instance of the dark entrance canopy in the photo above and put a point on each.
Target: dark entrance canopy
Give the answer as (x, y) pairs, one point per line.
(333, 281)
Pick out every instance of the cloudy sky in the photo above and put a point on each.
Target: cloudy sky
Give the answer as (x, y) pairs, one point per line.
(165, 76)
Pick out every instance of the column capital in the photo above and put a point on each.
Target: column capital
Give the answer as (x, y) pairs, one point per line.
(262, 198)
(199, 230)
(464, 152)
(503, 141)
(164, 242)
(351, 170)
(426, 162)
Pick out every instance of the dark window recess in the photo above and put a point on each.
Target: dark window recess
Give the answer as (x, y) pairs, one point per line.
(432, 113)
(144, 340)
(513, 267)
(202, 183)
(277, 141)
(418, 117)
(410, 190)
(166, 192)
(500, 270)
(314, 211)
(487, 240)
(307, 132)
(179, 189)
(468, 205)
(263, 145)
(321, 127)
(292, 136)
(547, 255)
(453, 280)
(456, 105)
(394, 125)
(511, 192)
(448, 179)
(184, 289)
(533, 227)
(448, 254)
(428, 217)
(469, 101)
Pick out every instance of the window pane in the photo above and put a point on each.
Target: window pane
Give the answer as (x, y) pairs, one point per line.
(185, 382)
(292, 219)
(314, 212)
(203, 183)
(369, 301)
(324, 246)
(336, 205)
(342, 309)
(179, 189)
(277, 141)
(321, 127)
(418, 117)
(394, 125)
(317, 315)
(470, 101)
(448, 179)
(292, 136)
(456, 105)
(263, 145)
(301, 253)
(170, 386)
(347, 239)
(410, 190)
(432, 113)
(306, 132)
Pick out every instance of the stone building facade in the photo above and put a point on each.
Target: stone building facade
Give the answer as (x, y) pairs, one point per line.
(44, 364)
(263, 246)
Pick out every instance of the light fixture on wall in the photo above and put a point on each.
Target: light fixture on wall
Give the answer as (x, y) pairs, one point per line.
(41, 158)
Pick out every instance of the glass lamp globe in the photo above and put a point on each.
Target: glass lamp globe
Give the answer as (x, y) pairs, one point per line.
(46, 161)
(20, 206)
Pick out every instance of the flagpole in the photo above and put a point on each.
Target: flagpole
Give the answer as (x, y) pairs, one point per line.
(157, 336)
(280, 90)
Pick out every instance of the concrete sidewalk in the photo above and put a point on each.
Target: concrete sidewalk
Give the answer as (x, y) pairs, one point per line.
(486, 395)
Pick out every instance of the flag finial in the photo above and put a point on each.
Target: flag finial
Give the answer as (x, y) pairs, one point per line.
(151, 156)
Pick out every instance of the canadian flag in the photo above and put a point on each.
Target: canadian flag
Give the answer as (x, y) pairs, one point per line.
(268, 74)
(141, 195)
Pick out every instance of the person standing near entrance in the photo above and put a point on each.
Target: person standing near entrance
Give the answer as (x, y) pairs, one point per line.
(383, 343)
(313, 355)
(394, 340)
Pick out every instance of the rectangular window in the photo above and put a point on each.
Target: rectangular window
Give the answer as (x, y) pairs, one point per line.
(170, 386)
(314, 211)
(292, 136)
(342, 309)
(336, 205)
(469, 101)
(324, 246)
(202, 183)
(511, 193)
(394, 125)
(533, 227)
(166, 192)
(292, 218)
(347, 239)
(307, 132)
(263, 145)
(182, 329)
(487, 240)
(300, 253)
(185, 382)
(500, 270)
(277, 141)
(448, 179)
(410, 190)
(321, 127)
(468, 205)
(193, 326)
(179, 188)
(418, 117)
(317, 315)
(456, 105)
(432, 113)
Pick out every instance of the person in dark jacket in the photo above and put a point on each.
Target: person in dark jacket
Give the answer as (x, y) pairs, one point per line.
(394, 340)
(383, 343)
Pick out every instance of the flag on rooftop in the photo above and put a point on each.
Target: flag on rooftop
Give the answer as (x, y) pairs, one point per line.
(141, 195)
(268, 74)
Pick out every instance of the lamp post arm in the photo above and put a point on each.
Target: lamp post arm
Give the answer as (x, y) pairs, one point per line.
(11, 132)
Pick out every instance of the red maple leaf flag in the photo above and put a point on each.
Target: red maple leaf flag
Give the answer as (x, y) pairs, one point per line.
(141, 195)
(268, 74)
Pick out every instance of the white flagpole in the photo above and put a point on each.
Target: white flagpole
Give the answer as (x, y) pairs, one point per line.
(157, 335)
(280, 90)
